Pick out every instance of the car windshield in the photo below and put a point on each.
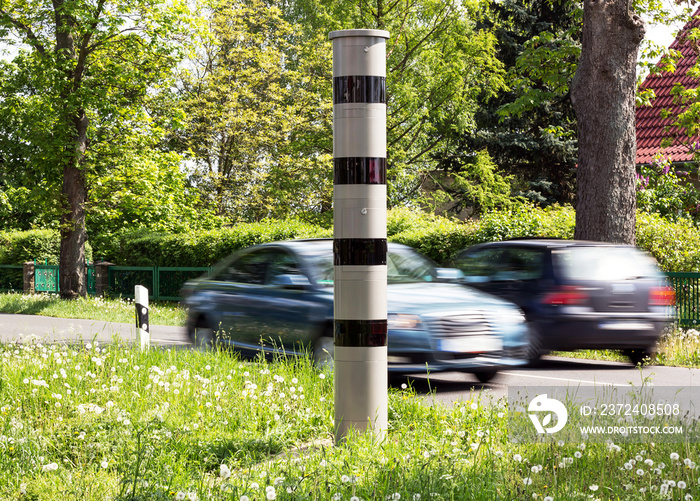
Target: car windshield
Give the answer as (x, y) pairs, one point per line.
(403, 266)
(604, 263)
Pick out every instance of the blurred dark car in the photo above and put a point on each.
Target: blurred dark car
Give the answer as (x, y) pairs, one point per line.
(279, 297)
(576, 294)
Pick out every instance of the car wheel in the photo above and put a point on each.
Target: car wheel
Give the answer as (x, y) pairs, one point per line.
(486, 375)
(534, 348)
(203, 337)
(638, 356)
(323, 352)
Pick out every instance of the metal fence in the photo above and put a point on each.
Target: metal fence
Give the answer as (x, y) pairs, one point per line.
(46, 278)
(686, 286)
(163, 283)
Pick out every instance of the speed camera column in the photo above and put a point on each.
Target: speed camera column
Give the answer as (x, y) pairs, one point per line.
(360, 244)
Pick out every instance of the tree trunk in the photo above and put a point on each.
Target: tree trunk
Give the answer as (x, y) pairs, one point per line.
(72, 266)
(603, 95)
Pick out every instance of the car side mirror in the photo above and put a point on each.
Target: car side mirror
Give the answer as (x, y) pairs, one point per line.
(449, 274)
(289, 281)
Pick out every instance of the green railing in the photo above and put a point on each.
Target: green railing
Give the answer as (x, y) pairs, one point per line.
(11, 278)
(163, 283)
(687, 288)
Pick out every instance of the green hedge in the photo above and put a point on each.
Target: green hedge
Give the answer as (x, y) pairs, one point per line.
(18, 247)
(675, 245)
(203, 248)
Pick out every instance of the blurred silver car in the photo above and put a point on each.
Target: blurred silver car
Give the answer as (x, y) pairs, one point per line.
(278, 297)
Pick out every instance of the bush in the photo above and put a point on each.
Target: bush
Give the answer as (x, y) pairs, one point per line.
(17, 247)
(675, 245)
(526, 220)
(204, 248)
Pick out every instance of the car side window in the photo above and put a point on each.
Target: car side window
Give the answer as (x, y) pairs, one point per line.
(249, 268)
(480, 265)
(282, 263)
(521, 264)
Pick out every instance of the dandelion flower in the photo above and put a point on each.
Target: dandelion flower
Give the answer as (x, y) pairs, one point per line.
(104, 464)
(271, 495)
(593, 487)
(674, 456)
(527, 481)
(682, 485)
(640, 472)
(180, 496)
(577, 454)
(688, 497)
(345, 479)
(224, 471)
(517, 458)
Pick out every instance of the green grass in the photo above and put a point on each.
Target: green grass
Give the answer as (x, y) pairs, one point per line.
(106, 309)
(94, 423)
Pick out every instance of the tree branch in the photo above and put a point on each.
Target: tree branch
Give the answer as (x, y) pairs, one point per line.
(27, 30)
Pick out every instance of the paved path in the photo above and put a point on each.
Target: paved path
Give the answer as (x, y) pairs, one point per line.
(51, 329)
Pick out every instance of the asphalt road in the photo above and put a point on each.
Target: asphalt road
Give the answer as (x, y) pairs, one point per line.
(20, 328)
(557, 371)
(443, 387)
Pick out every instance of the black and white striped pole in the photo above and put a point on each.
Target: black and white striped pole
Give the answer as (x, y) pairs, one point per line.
(142, 324)
(359, 243)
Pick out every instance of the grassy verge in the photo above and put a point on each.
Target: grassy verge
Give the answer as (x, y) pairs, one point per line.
(116, 423)
(109, 310)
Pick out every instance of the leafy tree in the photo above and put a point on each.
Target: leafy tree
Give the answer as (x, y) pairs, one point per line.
(81, 63)
(259, 109)
(529, 128)
(137, 190)
(438, 62)
(475, 188)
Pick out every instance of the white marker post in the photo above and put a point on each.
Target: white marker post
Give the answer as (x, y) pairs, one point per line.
(359, 231)
(142, 326)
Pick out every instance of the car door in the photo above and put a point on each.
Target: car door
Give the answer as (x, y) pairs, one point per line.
(290, 309)
(235, 292)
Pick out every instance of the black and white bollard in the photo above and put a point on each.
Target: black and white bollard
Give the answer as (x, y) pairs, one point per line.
(142, 325)
(360, 244)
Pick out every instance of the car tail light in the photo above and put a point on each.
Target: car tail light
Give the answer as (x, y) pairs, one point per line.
(567, 295)
(662, 296)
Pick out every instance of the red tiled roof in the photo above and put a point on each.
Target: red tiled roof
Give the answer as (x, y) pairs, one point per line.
(652, 129)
